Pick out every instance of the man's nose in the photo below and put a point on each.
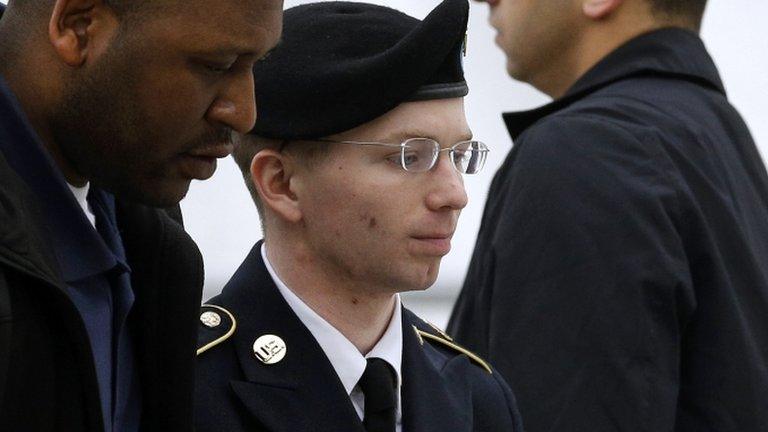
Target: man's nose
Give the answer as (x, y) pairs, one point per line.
(448, 191)
(236, 105)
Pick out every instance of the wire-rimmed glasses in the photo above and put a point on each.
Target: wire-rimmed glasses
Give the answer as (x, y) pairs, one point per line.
(421, 154)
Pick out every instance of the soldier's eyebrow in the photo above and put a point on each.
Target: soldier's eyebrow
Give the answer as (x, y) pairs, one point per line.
(400, 136)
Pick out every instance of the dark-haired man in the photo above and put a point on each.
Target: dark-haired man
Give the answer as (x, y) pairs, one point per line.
(620, 278)
(107, 109)
(356, 167)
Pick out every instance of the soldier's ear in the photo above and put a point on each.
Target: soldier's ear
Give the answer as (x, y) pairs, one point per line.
(81, 29)
(272, 176)
(599, 9)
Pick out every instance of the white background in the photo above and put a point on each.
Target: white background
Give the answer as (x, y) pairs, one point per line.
(222, 219)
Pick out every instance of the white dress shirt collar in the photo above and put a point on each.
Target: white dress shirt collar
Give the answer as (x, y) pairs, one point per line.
(345, 358)
(81, 195)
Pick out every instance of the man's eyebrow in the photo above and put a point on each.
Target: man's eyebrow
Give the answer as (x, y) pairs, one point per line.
(222, 51)
(225, 50)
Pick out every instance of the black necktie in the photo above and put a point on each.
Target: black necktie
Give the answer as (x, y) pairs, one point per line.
(378, 385)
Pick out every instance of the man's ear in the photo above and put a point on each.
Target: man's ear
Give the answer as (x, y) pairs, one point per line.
(81, 29)
(599, 9)
(271, 174)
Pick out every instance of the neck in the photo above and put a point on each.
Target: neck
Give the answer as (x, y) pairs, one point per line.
(360, 313)
(595, 42)
(26, 78)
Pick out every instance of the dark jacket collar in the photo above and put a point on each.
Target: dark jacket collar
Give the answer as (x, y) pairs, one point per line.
(80, 250)
(278, 395)
(670, 52)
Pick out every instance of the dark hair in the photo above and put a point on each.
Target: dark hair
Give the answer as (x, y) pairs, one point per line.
(689, 10)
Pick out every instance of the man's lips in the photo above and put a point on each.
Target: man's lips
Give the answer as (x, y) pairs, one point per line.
(214, 152)
(200, 163)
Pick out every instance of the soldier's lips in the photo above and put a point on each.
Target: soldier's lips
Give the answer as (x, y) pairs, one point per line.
(433, 244)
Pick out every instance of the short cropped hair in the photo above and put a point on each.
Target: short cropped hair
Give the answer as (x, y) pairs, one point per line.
(308, 153)
(691, 11)
(122, 8)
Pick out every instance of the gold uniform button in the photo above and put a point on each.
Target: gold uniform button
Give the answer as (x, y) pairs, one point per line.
(210, 319)
(270, 349)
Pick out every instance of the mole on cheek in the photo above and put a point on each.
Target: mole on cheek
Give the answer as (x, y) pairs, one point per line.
(372, 223)
(355, 301)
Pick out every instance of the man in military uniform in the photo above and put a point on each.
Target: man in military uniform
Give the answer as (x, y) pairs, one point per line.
(109, 109)
(620, 277)
(356, 166)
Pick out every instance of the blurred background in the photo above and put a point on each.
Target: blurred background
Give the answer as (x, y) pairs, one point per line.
(220, 216)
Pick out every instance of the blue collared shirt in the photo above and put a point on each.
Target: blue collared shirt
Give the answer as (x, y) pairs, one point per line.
(92, 263)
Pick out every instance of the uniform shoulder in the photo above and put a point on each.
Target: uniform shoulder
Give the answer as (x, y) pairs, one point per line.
(493, 403)
(217, 324)
(428, 333)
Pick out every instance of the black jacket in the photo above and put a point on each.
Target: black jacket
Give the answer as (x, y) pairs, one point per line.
(620, 277)
(47, 375)
(443, 390)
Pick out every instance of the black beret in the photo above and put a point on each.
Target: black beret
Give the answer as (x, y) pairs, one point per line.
(343, 64)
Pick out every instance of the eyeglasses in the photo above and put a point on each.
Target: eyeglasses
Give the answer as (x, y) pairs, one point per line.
(421, 154)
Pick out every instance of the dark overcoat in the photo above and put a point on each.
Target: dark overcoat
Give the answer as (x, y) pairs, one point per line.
(48, 379)
(620, 276)
(443, 389)
(47, 373)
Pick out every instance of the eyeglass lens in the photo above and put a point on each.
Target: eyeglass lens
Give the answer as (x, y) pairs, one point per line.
(420, 154)
(469, 156)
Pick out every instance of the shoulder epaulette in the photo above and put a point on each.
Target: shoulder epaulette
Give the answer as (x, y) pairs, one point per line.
(443, 339)
(216, 325)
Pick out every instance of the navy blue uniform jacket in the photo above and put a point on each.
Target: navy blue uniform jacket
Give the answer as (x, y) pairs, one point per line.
(443, 390)
(620, 277)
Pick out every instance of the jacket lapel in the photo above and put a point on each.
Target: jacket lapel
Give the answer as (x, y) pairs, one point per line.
(302, 391)
(436, 394)
(167, 279)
